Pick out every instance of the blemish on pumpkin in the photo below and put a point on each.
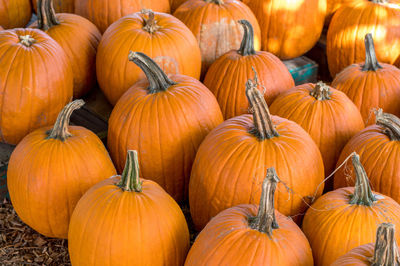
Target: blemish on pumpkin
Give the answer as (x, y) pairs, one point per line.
(168, 64)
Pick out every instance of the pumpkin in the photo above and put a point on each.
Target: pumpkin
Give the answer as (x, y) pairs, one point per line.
(50, 169)
(15, 13)
(35, 82)
(378, 146)
(334, 5)
(105, 12)
(1, 28)
(175, 4)
(215, 25)
(78, 37)
(165, 119)
(371, 85)
(350, 24)
(346, 218)
(328, 115)
(232, 157)
(161, 36)
(124, 221)
(60, 6)
(270, 238)
(228, 74)
(384, 252)
(289, 27)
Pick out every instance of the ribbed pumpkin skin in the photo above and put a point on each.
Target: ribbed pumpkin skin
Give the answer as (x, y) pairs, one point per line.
(289, 27)
(15, 13)
(359, 256)
(105, 12)
(334, 227)
(161, 239)
(60, 6)
(35, 83)
(231, 163)
(47, 177)
(227, 77)
(175, 4)
(79, 38)
(330, 123)
(228, 240)
(216, 28)
(334, 5)
(173, 47)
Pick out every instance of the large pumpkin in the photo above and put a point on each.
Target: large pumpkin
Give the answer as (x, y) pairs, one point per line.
(269, 237)
(78, 37)
(127, 221)
(346, 218)
(165, 119)
(35, 82)
(215, 25)
(50, 170)
(161, 36)
(227, 76)
(15, 13)
(231, 162)
(60, 6)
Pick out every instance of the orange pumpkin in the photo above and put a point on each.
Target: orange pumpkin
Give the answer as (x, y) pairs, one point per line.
(334, 5)
(15, 13)
(269, 237)
(371, 85)
(60, 6)
(161, 36)
(347, 217)
(289, 27)
(126, 221)
(232, 158)
(228, 74)
(215, 25)
(50, 169)
(105, 12)
(78, 37)
(165, 119)
(328, 115)
(35, 82)
(175, 4)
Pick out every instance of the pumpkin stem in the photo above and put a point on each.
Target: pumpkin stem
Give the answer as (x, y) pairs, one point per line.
(247, 45)
(371, 62)
(263, 126)
(362, 190)
(26, 40)
(218, 2)
(46, 15)
(390, 123)
(265, 221)
(379, 1)
(60, 128)
(130, 180)
(157, 78)
(150, 24)
(386, 251)
(321, 91)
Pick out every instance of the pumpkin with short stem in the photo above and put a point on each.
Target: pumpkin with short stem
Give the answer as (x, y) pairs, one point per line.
(215, 25)
(78, 37)
(165, 119)
(346, 218)
(161, 36)
(50, 169)
(228, 74)
(127, 221)
(232, 158)
(334, 5)
(371, 84)
(35, 82)
(328, 115)
(15, 13)
(269, 237)
(60, 6)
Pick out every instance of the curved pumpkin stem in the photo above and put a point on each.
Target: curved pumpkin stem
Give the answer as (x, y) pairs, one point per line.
(371, 62)
(321, 91)
(150, 24)
(362, 190)
(60, 129)
(46, 15)
(26, 40)
(130, 180)
(265, 221)
(157, 78)
(386, 251)
(390, 123)
(247, 45)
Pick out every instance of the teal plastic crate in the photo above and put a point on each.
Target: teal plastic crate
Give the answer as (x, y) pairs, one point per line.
(303, 70)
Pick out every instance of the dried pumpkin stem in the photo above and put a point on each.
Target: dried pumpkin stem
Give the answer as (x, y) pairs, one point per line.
(130, 180)
(26, 40)
(362, 190)
(390, 123)
(371, 62)
(386, 251)
(265, 221)
(247, 45)
(157, 78)
(379, 1)
(321, 91)
(46, 15)
(150, 24)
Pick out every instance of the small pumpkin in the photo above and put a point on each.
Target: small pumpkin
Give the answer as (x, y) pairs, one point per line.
(228, 74)
(346, 218)
(60, 6)
(124, 220)
(15, 13)
(50, 169)
(270, 238)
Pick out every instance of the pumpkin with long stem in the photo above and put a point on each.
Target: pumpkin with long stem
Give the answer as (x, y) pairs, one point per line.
(15, 13)
(60, 6)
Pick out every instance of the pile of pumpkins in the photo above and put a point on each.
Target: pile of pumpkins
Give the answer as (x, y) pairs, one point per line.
(205, 111)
